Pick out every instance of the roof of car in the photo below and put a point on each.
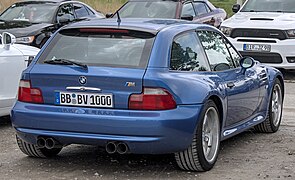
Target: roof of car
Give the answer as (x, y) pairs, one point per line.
(140, 24)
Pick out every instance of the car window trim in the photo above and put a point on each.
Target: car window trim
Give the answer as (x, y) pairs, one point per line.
(223, 38)
(192, 6)
(203, 51)
(76, 16)
(65, 4)
(206, 8)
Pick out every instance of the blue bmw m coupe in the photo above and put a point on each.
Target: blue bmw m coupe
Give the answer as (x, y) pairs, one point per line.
(144, 86)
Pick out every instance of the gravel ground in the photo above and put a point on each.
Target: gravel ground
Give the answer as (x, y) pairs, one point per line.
(249, 155)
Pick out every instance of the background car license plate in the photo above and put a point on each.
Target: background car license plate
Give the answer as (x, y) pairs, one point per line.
(257, 47)
(84, 99)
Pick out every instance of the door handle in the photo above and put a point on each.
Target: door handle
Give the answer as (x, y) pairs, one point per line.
(230, 85)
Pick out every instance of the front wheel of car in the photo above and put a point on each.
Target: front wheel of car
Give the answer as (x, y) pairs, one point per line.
(202, 154)
(275, 109)
(34, 151)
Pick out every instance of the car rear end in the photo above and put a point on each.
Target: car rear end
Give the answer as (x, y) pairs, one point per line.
(102, 98)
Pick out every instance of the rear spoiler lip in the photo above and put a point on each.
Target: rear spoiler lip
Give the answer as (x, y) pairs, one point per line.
(133, 28)
(151, 31)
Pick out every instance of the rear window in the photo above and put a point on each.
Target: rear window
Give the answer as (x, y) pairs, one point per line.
(101, 47)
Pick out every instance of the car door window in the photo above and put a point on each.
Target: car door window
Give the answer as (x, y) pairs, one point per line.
(90, 12)
(216, 50)
(188, 9)
(80, 10)
(187, 55)
(65, 12)
(234, 54)
(201, 8)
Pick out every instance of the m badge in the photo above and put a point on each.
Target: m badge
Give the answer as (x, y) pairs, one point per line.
(130, 84)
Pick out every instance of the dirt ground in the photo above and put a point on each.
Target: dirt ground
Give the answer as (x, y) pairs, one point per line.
(247, 156)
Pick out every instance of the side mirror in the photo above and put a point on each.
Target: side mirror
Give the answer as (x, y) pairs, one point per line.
(187, 17)
(246, 63)
(7, 40)
(109, 15)
(236, 8)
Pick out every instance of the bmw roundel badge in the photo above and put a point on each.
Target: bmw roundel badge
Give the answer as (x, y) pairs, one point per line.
(82, 80)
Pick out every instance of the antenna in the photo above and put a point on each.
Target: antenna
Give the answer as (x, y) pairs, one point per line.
(119, 18)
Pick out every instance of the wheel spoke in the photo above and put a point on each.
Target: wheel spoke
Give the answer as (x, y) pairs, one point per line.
(205, 123)
(210, 134)
(274, 95)
(276, 105)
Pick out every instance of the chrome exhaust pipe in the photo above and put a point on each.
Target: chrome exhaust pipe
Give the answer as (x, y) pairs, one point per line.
(51, 143)
(122, 148)
(111, 147)
(41, 142)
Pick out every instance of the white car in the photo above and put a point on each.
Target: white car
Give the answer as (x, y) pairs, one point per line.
(14, 59)
(265, 30)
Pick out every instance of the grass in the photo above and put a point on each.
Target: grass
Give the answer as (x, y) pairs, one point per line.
(106, 6)
(225, 4)
(5, 3)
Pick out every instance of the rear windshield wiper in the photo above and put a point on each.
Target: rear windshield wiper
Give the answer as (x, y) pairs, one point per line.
(65, 62)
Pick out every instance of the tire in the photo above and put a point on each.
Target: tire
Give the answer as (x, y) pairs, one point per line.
(34, 151)
(274, 115)
(194, 157)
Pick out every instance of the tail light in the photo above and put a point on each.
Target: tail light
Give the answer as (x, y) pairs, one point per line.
(152, 99)
(28, 94)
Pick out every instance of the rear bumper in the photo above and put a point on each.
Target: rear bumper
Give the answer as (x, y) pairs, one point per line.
(145, 132)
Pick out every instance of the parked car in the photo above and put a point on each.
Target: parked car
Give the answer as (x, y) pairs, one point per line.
(33, 22)
(201, 11)
(148, 86)
(13, 60)
(265, 30)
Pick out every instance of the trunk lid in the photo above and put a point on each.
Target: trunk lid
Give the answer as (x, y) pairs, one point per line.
(116, 62)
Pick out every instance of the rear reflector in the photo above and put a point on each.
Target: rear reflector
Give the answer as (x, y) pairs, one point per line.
(152, 99)
(28, 94)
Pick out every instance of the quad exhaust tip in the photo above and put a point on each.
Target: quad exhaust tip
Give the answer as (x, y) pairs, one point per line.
(119, 147)
(48, 143)
(111, 147)
(41, 142)
(122, 148)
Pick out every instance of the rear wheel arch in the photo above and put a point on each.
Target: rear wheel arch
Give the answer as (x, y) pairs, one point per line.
(281, 79)
(203, 151)
(219, 105)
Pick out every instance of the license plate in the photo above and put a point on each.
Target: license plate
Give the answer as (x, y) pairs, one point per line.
(257, 47)
(84, 99)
